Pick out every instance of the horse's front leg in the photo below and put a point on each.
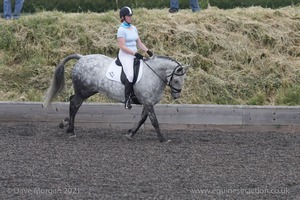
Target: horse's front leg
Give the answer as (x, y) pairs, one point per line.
(155, 124)
(133, 131)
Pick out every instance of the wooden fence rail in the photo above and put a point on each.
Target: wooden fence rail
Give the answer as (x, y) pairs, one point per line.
(170, 116)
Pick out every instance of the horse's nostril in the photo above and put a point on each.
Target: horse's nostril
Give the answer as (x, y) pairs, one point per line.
(176, 96)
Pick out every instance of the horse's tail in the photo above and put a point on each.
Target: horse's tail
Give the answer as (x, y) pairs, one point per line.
(58, 81)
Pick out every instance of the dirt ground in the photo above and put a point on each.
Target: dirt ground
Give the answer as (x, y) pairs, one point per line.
(42, 162)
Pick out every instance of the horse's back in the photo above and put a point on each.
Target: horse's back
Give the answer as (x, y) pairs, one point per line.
(96, 60)
(92, 62)
(90, 68)
(89, 74)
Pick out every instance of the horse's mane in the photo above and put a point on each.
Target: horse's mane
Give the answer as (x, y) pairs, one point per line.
(164, 57)
(168, 58)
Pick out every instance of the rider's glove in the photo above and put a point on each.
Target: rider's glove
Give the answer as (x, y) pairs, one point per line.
(139, 56)
(150, 53)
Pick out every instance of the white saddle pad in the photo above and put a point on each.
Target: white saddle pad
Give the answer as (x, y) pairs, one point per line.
(114, 72)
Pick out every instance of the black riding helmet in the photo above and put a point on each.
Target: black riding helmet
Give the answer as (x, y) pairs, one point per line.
(125, 11)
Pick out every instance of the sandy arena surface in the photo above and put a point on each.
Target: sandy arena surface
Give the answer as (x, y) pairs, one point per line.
(42, 162)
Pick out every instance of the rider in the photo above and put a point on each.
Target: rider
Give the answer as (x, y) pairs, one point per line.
(128, 40)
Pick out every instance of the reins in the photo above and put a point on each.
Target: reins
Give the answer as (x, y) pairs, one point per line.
(175, 90)
(165, 82)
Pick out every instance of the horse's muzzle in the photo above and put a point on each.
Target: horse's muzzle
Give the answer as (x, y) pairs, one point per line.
(175, 95)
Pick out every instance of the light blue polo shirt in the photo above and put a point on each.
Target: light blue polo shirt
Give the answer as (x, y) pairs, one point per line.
(130, 35)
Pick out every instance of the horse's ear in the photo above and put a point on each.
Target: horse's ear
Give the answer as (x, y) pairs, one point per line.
(185, 67)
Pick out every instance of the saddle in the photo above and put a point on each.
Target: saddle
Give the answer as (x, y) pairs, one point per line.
(123, 78)
(136, 69)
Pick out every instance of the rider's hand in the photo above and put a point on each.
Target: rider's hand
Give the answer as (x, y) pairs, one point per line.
(139, 56)
(150, 53)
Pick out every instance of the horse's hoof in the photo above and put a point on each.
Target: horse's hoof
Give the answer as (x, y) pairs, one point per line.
(72, 135)
(61, 125)
(129, 136)
(165, 141)
(64, 123)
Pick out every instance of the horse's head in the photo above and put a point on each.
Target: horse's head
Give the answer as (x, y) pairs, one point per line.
(175, 79)
(175, 74)
(171, 72)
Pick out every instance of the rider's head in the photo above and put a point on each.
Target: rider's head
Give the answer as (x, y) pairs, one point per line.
(125, 11)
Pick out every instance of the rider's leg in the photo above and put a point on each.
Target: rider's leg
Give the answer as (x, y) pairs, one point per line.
(127, 63)
(128, 91)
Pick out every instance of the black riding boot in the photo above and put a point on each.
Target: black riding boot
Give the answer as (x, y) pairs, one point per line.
(128, 90)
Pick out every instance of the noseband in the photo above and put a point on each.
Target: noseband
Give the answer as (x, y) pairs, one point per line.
(175, 90)
(169, 83)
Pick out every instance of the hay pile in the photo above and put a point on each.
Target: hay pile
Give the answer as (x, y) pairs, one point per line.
(237, 56)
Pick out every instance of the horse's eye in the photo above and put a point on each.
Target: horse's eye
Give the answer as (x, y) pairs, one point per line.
(179, 69)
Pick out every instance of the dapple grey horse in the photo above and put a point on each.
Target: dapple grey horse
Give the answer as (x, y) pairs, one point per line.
(89, 78)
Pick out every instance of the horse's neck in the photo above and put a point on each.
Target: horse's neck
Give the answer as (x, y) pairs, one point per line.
(161, 66)
(154, 71)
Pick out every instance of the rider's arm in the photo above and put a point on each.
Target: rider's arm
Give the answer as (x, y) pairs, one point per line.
(141, 45)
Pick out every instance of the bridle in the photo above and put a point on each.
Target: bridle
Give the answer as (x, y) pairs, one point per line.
(175, 90)
(169, 83)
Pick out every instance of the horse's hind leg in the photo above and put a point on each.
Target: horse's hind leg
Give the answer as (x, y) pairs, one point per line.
(75, 103)
(133, 131)
(155, 124)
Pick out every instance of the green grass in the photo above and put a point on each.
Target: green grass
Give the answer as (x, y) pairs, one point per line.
(247, 56)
